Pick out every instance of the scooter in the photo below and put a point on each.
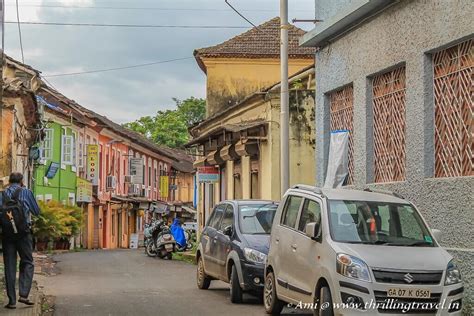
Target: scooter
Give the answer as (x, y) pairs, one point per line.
(183, 242)
(160, 243)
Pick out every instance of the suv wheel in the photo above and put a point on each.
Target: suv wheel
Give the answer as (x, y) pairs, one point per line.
(203, 281)
(236, 292)
(272, 304)
(325, 307)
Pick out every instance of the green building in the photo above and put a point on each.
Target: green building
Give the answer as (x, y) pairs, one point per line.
(55, 174)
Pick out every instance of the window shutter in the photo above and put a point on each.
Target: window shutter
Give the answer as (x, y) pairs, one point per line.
(67, 147)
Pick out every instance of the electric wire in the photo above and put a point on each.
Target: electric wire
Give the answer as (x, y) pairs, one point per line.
(57, 6)
(114, 68)
(130, 25)
(240, 14)
(19, 31)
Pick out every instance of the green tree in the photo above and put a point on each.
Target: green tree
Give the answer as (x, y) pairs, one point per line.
(192, 109)
(170, 127)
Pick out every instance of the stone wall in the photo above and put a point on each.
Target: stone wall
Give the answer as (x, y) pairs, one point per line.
(404, 34)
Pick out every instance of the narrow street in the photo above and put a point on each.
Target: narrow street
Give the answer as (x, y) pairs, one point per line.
(126, 282)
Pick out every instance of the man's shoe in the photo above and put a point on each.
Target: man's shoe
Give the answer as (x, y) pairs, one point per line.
(26, 301)
(10, 306)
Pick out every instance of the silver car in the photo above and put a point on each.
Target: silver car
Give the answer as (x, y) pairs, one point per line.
(348, 252)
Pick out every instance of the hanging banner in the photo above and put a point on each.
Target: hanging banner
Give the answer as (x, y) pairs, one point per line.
(164, 186)
(208, 174)
(136, 170)
(84, 190)
(93, 164)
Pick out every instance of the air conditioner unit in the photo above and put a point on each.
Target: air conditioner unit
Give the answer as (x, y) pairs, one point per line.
(129, 179)
(111, 183)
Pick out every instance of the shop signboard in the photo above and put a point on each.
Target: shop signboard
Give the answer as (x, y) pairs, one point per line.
(208, 174)
(164, 186)
(84, 190)
(93, 164)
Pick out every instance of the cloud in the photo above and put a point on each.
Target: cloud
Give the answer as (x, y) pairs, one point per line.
(128, 94)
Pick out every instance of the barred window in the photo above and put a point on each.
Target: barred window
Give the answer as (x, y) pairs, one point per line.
(389, 126)
(454, 108)
(342, 118)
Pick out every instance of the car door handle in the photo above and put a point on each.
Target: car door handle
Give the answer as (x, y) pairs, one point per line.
(294, 246)
(277, 240)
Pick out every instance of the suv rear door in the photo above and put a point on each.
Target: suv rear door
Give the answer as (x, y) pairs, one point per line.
(223, 241)
(283, 241)
(209, 241)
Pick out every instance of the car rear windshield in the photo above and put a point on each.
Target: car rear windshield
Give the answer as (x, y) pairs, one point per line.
(256, 218)
(377, 223)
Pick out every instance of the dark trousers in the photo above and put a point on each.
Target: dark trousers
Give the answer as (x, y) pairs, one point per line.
(24, 247)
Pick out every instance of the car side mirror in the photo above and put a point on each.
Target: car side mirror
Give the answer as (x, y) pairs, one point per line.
(312, 230)
(228, 231)
(437, 234)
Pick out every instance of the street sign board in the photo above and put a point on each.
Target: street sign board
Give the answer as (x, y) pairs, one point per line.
(84, 190)
(208, 174)
(93, 164)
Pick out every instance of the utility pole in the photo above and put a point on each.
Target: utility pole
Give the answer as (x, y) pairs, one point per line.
(284, 102)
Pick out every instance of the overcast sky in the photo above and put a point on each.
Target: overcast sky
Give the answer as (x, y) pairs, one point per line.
(126, 95)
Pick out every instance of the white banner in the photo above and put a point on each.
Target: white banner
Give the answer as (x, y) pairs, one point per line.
(136, 170)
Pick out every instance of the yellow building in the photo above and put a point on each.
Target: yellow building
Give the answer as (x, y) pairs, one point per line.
(247, 63)
(238, 145)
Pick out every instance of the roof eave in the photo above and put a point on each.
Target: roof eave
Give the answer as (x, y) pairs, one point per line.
(344, 22)
(199, 61)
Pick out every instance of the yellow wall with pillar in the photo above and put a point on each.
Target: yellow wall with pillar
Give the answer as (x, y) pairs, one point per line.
(230, 80)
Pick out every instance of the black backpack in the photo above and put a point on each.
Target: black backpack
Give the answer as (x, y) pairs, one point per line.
(13, 216)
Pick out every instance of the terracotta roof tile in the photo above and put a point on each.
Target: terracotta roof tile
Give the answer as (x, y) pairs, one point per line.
(261, 41)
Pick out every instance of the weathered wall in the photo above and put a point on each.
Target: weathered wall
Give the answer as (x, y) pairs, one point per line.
(301, 144)
(325, 9)
(404, 33)
(231, 80)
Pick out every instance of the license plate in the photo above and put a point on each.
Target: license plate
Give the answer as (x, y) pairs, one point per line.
(409, 293)
(169, 247)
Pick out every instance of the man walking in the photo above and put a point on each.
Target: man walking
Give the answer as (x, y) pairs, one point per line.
(17, 205)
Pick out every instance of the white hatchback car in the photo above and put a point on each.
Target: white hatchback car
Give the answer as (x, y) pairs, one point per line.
(348, 252)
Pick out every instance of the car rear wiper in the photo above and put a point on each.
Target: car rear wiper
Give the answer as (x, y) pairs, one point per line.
(421, 243)
(380, 242)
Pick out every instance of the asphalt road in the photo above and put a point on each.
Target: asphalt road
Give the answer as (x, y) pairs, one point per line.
(127, 282)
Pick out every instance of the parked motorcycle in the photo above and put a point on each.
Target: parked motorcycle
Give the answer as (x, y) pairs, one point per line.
(159, 241)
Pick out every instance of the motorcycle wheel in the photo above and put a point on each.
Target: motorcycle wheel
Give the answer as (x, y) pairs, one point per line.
(149, 250)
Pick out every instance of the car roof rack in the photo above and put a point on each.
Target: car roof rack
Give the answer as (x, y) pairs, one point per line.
(395, 194)
(308, 188)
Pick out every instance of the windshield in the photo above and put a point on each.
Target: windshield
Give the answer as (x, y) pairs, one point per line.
(257, 218)
(378, 223)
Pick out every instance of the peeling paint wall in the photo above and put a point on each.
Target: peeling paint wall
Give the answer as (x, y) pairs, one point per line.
(405, 33)
(231, 80)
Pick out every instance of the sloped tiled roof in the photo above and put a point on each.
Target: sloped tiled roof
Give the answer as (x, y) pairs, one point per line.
(262, 41)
